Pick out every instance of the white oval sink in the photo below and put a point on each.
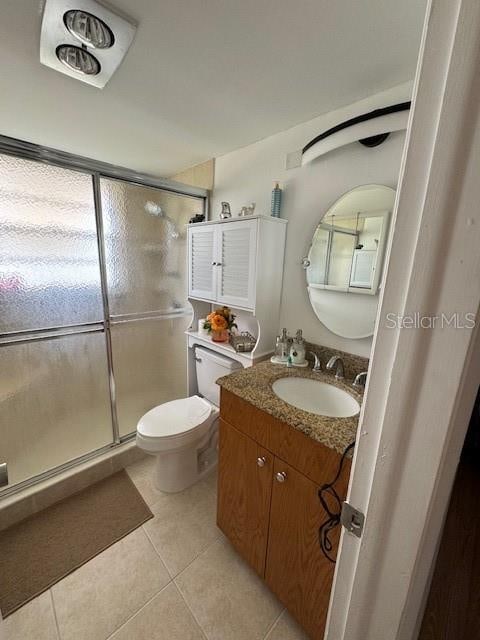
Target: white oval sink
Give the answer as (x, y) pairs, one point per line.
(316, 397)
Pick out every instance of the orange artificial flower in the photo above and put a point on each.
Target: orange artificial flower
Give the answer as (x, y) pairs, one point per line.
(220, 320)
(219, 323)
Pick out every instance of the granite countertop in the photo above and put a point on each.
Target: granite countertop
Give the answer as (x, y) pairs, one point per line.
(254, 384)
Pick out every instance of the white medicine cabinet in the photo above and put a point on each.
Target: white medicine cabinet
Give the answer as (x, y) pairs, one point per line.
(238, 263)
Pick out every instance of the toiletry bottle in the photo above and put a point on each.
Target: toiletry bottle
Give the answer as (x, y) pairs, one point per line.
(284, 343)
(279, 348)
(300, 347)
(276, 201)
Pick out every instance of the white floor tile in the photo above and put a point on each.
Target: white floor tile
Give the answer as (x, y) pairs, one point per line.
(226, 597)
(184, 524)
(286, 628)
(166, 617)
(95, 600)
(142, 473)
(34, 621)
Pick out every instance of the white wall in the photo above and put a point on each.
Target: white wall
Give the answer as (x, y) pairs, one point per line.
(247, 175)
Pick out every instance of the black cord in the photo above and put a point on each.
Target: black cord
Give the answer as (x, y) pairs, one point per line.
(333, 516)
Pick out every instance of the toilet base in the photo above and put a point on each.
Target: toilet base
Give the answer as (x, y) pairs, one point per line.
(171, 482)
(178, 470)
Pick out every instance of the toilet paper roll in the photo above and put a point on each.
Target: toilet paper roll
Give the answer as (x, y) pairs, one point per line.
(201, 330)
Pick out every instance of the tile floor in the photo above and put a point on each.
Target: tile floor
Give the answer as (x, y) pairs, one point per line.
(175, 578)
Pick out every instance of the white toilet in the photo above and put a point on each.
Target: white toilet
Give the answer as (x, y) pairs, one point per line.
(183, 434)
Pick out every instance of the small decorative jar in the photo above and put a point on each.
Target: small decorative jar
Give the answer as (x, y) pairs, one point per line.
(223, 335)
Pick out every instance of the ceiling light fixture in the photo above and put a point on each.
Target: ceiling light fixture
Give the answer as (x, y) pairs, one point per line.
(84, 39)
(89, 29)
(78, 59)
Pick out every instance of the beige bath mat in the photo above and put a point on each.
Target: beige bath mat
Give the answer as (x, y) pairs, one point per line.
(39, 551)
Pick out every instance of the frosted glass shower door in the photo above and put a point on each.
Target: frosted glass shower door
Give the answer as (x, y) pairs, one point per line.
(49, 265)
(145, 234)
(54, 400)
(54, 393)
(150, 365)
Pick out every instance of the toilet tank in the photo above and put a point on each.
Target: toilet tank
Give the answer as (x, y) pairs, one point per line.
(210, 366)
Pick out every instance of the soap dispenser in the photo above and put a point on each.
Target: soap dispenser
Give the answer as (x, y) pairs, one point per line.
(297, 350)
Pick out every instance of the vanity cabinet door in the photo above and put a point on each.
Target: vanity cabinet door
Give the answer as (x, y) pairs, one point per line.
(202, 269)
(296, 569)
(244, 492)
(236, 257)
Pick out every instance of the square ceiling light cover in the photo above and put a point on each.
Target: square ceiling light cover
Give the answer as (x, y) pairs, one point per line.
(84, 39)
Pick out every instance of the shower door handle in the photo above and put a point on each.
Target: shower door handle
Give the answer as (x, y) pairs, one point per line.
(3, 474)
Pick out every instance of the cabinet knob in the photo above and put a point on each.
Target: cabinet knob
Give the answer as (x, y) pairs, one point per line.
(261, 461)
(281, 476)
(214, 264)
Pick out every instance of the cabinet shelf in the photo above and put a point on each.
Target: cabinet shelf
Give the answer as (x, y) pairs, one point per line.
(216, 303)
(226, 348)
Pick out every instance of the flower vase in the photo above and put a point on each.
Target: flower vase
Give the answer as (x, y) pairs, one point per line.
(220, 336)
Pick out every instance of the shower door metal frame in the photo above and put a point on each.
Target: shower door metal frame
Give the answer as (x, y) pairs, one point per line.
(97, 170)
(30, 151)
(106, 311)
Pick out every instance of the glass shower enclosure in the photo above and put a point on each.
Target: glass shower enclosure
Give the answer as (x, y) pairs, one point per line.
(93, 309)
(145, 234)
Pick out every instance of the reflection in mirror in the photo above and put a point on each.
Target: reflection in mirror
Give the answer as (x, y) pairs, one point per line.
(346, 255)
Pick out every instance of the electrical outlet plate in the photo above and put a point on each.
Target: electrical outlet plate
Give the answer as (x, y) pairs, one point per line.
(54, 33)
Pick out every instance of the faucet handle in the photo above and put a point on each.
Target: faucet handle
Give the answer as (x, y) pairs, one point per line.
(360, 380)
(317, 363)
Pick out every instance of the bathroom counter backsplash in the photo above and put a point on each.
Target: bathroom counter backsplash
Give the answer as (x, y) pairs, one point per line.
(254, 384)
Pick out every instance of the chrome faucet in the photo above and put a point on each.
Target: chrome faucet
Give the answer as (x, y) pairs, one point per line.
(337, 362)
(360, 380)
(317, 363)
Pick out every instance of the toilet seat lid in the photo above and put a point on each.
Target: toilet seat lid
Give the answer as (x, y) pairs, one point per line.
(174, 417)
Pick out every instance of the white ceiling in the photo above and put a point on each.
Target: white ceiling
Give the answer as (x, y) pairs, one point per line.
(204, 77)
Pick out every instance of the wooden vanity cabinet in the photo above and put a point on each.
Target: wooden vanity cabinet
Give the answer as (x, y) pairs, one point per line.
(268, 506)
(296, 569)
(245, 477)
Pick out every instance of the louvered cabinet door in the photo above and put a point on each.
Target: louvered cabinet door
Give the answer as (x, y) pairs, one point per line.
(236, 253)
(202, 270)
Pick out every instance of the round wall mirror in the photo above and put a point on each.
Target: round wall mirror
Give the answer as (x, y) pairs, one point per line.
(344, 267)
